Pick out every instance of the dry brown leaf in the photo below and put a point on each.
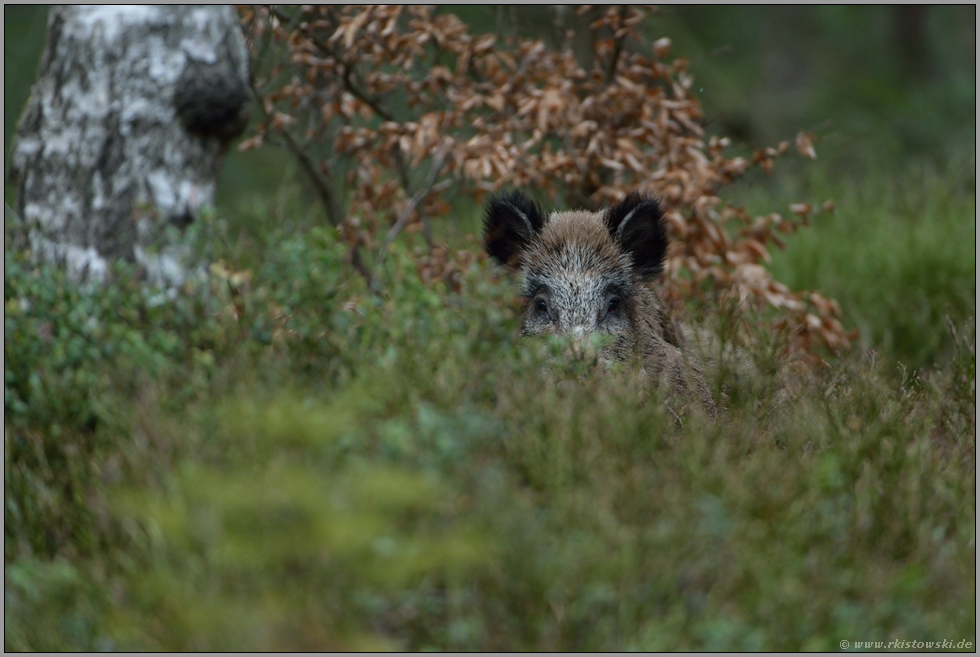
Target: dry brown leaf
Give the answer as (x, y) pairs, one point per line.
(804, 145)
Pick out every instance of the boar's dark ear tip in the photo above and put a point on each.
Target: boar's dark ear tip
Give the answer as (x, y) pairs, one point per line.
(636, 223)
(510, 221)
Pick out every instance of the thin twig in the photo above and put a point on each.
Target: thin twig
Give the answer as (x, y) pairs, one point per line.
(348, 75)
(320, 185)
(307, 164)
(348, 70)
(437, 163)
(617, 50)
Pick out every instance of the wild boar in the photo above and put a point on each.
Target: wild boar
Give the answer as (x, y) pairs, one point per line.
(588, 272)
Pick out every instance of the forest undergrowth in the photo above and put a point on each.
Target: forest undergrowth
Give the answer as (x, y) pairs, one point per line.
(280, 459)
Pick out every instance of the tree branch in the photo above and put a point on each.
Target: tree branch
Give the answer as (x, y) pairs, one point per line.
(320, 185)
(617, 49)
(437, 164)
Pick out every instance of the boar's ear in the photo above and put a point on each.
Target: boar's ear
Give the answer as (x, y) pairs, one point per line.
(636, 223)
(510, 221)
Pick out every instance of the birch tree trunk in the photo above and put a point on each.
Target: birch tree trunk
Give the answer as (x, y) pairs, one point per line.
(121, 141)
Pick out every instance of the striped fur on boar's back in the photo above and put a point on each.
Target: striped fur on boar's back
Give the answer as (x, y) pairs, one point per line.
(588, 272)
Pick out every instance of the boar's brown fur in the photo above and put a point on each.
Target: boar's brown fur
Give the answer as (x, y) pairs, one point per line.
(589, 272)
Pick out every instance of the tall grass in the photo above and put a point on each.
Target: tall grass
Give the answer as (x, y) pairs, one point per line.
(898, 252)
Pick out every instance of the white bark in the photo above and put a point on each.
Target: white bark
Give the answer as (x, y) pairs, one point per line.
(125, 131)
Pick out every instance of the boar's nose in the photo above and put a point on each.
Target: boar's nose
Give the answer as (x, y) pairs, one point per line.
(579, 346)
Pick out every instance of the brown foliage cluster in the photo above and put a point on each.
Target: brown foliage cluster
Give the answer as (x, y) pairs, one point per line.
(390, 110)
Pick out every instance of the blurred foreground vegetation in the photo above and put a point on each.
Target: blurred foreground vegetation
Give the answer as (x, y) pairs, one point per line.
(279, 459)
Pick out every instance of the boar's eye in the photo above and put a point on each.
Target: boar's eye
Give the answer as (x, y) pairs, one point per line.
(541, 306)
(613, 305)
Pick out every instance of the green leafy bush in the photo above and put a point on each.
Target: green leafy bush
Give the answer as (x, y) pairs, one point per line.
(50, 606)
(79, 366)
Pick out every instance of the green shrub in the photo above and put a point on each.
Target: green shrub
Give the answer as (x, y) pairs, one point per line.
(897, 253)
(358, 471)
(78, 366)
(50, 606)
